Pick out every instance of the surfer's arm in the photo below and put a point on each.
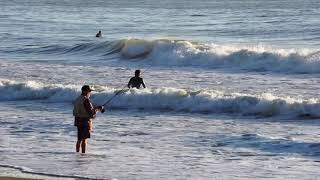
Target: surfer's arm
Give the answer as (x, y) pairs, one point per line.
(144, 86)
(129, 83)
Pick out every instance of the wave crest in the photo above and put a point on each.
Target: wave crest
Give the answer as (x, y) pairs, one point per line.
(165, 52)
(169, 99)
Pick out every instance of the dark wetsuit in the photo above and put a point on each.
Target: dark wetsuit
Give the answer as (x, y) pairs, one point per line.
(135, 82)
(98, 34)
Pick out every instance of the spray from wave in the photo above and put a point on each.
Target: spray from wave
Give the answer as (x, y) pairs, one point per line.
(169, 99)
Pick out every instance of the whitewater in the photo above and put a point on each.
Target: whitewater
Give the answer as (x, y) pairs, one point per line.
(232, 89)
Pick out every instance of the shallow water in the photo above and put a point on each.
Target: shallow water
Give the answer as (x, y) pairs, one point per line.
(159, 145)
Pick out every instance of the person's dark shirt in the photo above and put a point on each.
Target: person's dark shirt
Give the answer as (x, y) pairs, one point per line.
(89, 108)
(81, 122)
(135, 82)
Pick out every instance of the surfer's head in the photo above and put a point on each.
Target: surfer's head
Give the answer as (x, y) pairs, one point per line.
(99, 34)
(137, 73)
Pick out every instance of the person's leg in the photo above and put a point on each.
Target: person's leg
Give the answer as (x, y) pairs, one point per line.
(90, 126)
(83, 145)
(79, 133)
(78, 145)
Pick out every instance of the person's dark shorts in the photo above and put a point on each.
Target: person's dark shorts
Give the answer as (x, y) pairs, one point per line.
(83, 128)
(83, 132)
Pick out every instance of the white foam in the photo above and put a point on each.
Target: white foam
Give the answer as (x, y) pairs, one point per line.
(31, 90)
(254, 58)
(170, 99)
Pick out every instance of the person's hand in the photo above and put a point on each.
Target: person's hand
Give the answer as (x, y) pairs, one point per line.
(98, 108)
(102, 109)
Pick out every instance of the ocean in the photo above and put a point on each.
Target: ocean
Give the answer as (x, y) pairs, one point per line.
(232, 88)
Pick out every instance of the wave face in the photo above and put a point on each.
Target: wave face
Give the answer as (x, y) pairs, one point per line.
(164, 52)
(169, 99)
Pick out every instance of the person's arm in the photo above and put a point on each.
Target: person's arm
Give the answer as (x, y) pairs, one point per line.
(129, 83)
(144, 86)
(89, 108)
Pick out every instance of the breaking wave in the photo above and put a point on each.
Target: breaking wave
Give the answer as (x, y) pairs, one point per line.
(169, 99)
(165, 52)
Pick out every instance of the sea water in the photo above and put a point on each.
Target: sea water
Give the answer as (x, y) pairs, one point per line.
(232, 88)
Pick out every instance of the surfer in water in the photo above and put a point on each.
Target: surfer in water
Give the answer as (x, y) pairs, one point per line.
(84, 113)
(136, 81)
(99, 34)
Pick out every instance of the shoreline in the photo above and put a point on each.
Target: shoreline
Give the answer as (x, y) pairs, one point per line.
(15, 178)
(11, 173)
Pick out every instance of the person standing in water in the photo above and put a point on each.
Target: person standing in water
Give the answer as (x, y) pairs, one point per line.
(99, 34)
(136, 81)
(84, 113)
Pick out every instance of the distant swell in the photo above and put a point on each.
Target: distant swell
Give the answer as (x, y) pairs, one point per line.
(169, 99)
(164, 52)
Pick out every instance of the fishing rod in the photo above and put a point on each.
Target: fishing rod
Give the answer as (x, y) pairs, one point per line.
(115, 95)
(121, 91)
